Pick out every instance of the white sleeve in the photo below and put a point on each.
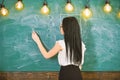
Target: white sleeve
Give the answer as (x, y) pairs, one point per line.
(60, 42)
(83, 51)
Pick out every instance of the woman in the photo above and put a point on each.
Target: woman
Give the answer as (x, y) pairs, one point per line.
(70, 50)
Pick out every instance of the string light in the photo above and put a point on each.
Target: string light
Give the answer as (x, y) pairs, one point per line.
(19, 5)
(107, 8)
(69, 7)
(45, 10)
(118, 15)
(3, 11)
(87, 13)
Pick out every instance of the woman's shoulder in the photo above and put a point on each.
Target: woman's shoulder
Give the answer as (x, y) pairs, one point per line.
(61, 43)
(83, 46)
(83, 43)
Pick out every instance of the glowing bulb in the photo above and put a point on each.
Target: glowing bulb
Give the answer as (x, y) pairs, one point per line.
(69, 7)
(87, 13)
(118, 15)
(19, 5)
(107, 8)
(45, 9)
(4, 11)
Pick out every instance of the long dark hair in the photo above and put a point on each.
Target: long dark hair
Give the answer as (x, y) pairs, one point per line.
(72, 38)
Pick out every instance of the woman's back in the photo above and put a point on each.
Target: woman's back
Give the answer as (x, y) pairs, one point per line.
(72, 37)
(63, 60)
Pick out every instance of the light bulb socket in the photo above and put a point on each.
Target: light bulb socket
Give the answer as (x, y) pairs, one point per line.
(68, 1)
(107, 2)
(1, 5)
(20, 0)
(45, 3)
(86, 6)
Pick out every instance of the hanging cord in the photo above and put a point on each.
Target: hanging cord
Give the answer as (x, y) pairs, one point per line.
(2, 5)
(87, 4)
(107, 1)
(119, 5)
(45, 2)
(2, 2)
(68, 1)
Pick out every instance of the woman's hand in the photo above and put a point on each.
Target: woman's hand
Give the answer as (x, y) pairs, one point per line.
(35, 37)
(45, 53)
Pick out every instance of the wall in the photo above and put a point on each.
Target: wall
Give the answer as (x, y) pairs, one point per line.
(100, 34)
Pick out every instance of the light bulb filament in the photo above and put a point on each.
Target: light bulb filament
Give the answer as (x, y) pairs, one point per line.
(4, 11)
(118, 15)
(69, 7)
(87, 13)
(45, 9)
(19, 5)
(107, 8)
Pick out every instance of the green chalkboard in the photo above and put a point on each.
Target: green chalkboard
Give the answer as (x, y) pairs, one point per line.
(101, 35)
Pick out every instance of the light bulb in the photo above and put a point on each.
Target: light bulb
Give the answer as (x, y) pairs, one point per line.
(45, 9)
(107, 8)
(118, 15)
(87, 13)
(19, 5)
(4, 11)
(69, 7)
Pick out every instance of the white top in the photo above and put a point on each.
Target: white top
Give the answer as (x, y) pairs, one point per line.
(62, 59)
